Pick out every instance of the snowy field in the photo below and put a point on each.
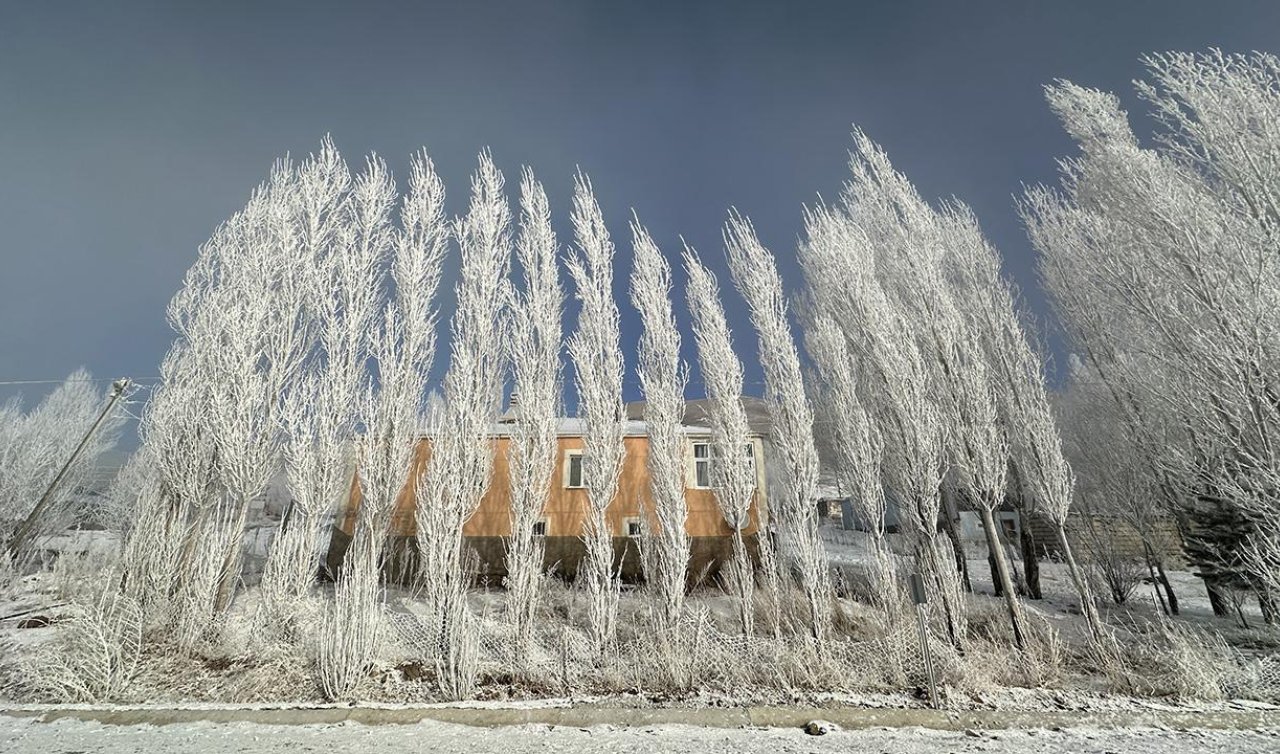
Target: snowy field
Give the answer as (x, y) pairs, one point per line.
(26, 736)
(1060, 604)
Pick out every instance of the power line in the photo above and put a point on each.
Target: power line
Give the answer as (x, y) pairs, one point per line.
(151, 380)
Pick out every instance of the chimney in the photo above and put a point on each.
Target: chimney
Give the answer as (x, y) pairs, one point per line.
(509, 416)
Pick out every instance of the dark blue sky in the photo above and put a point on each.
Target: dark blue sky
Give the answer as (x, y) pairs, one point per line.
(129, 130)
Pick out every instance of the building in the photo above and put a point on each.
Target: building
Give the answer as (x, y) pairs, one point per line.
(488, 529)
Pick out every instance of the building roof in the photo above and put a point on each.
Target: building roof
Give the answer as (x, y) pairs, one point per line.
(695, 422)
(573, 426)
(698, 413)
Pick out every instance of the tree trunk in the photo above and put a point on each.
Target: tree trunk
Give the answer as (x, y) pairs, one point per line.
(1087, 607)
(995, 573)
(950, 522)
(1267, 604)
(1002, 572)
(928, 553)
(1155, 583)
(233, 563)
(1169, 596)
(1019, 583)
(1030, 557)
(741, 573)
(1216, 600)
(191, 542)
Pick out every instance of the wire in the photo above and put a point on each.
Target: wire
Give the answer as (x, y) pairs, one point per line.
(136, 381)
(151, 381)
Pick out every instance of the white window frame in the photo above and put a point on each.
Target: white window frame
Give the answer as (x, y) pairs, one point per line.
(569, 455)
(695, 461)
(546, 527)
(629, 522)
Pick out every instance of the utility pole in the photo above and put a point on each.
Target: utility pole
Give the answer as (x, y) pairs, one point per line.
(28, 528)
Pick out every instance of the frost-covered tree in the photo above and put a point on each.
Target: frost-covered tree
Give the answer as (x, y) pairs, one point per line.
(1162, 264)
(838, 258)
(255, 327)
(461, 462)
(1114, 487)
(598, 370)
(35, 445)
(733, 472)
(351, 628)
(169, 514)
(402, 350)
(534, 354)
(916, 243)
(790, 418)
(662, 379)
(1045, 478)
(170, 564)
(319, 415)
(278, 323)
(240, 318)
(402, 346)
(857, 445)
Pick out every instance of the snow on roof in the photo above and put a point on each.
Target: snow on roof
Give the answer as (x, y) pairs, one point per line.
(697, 412)
(573, 426)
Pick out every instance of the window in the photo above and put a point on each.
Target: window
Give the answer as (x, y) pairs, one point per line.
(573, 469)
(702, 457)
(540, 528)
(701, 464)
(632, 526)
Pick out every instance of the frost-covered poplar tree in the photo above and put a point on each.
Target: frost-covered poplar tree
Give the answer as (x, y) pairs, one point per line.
(261, 329)
(662, 379)
(349, 229)
(838, 258)
(319, 415)
(733, 474)
(858, 447)
(1043, 473)
(598, 369)
(462, 440)
(791, 417)
(1172, 248)
(535, 315)
(916, 241)
(403, 349)
(240, 318)
(352, 627)
(158, 556)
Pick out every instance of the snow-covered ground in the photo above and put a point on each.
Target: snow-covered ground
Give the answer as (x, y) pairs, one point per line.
(241, 670)
(1060, 604)
(27, 736)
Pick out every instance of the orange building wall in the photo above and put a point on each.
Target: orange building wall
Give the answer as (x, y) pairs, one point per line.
(566, 507)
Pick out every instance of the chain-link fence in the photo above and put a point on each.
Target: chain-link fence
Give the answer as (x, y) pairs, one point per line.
(696, 653)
